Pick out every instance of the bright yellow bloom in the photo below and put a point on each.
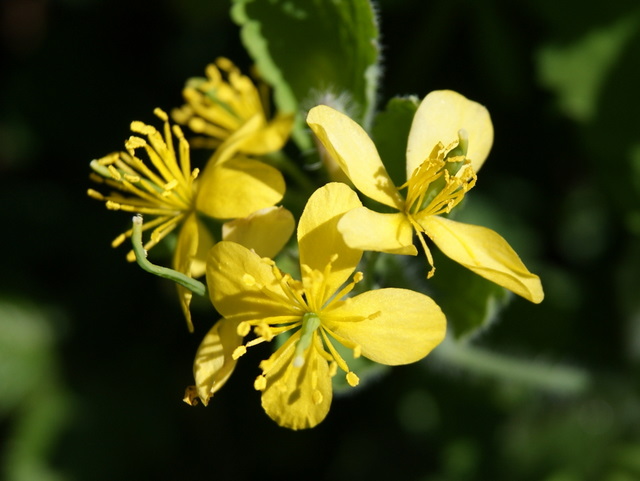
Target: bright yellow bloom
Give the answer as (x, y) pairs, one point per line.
(389, 326)
(222, 103)
(165, 188)
(449, 140)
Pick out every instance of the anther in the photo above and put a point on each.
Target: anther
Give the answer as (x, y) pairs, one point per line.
(142, 128)
(352, 379)
(260, 383)
(238, 352)
(118, 240)
(171, 184)
(95, 194)
(243, 328)
(114, 173)
(161, 114)
(134, 143)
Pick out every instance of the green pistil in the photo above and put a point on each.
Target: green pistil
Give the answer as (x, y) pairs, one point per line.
(454, 161)
(310, 322)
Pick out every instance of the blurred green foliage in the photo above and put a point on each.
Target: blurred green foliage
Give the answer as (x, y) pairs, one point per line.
(94, 358)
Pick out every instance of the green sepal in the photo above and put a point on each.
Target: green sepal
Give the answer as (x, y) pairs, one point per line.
(390, 133)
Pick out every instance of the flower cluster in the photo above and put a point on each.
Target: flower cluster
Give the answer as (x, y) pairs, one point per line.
(229, 230)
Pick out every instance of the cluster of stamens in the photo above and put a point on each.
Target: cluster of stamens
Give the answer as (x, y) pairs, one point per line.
(304, 307)
(437, 186)
(219, 104)
(166, 192)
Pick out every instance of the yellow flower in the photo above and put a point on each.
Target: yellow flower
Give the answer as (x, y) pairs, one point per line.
(389, 326)
(165, 187)
(449, 140)
(222, 103)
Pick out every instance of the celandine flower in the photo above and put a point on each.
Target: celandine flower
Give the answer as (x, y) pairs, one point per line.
(221, 103)
(166, 189)
(389, 326)
(449, 140)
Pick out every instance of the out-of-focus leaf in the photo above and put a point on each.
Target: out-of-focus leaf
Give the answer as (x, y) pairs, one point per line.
(390, 133)
(307, 49)
(30, 388)
(577, 72)
(26, 341)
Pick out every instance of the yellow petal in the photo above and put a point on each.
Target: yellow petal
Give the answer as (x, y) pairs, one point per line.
(439, 117)
(238, 187)
(484, 252)
(271, 137)
(297, 397)
(266, 231)
(371, 231)
(355, 152)
(318, 238)
(238, 279)
(404, 325)
(214, 362)
(236, 141)
(194, 241)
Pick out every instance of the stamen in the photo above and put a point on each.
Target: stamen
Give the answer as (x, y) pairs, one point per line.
(243, 328)
(260, 383)
(420, 233)
(94, 194)
(357, 277)
(336, 356)
(238, 352)
(114, 173)
(352, 379)
(357, 350)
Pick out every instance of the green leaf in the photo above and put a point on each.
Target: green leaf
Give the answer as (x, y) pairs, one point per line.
(390, 133)
(469, 301)
(308, 50)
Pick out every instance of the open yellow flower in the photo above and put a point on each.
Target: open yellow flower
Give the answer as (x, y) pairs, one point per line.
(224, 101)
(389, 326)
(165, 188)
(449, 140)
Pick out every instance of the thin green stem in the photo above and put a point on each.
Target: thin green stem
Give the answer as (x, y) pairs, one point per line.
(548, 377)
(193, 285)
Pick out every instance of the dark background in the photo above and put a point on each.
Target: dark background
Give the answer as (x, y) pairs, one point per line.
(94, 355)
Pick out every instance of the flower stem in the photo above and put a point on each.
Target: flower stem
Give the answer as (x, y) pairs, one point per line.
(561, 379)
